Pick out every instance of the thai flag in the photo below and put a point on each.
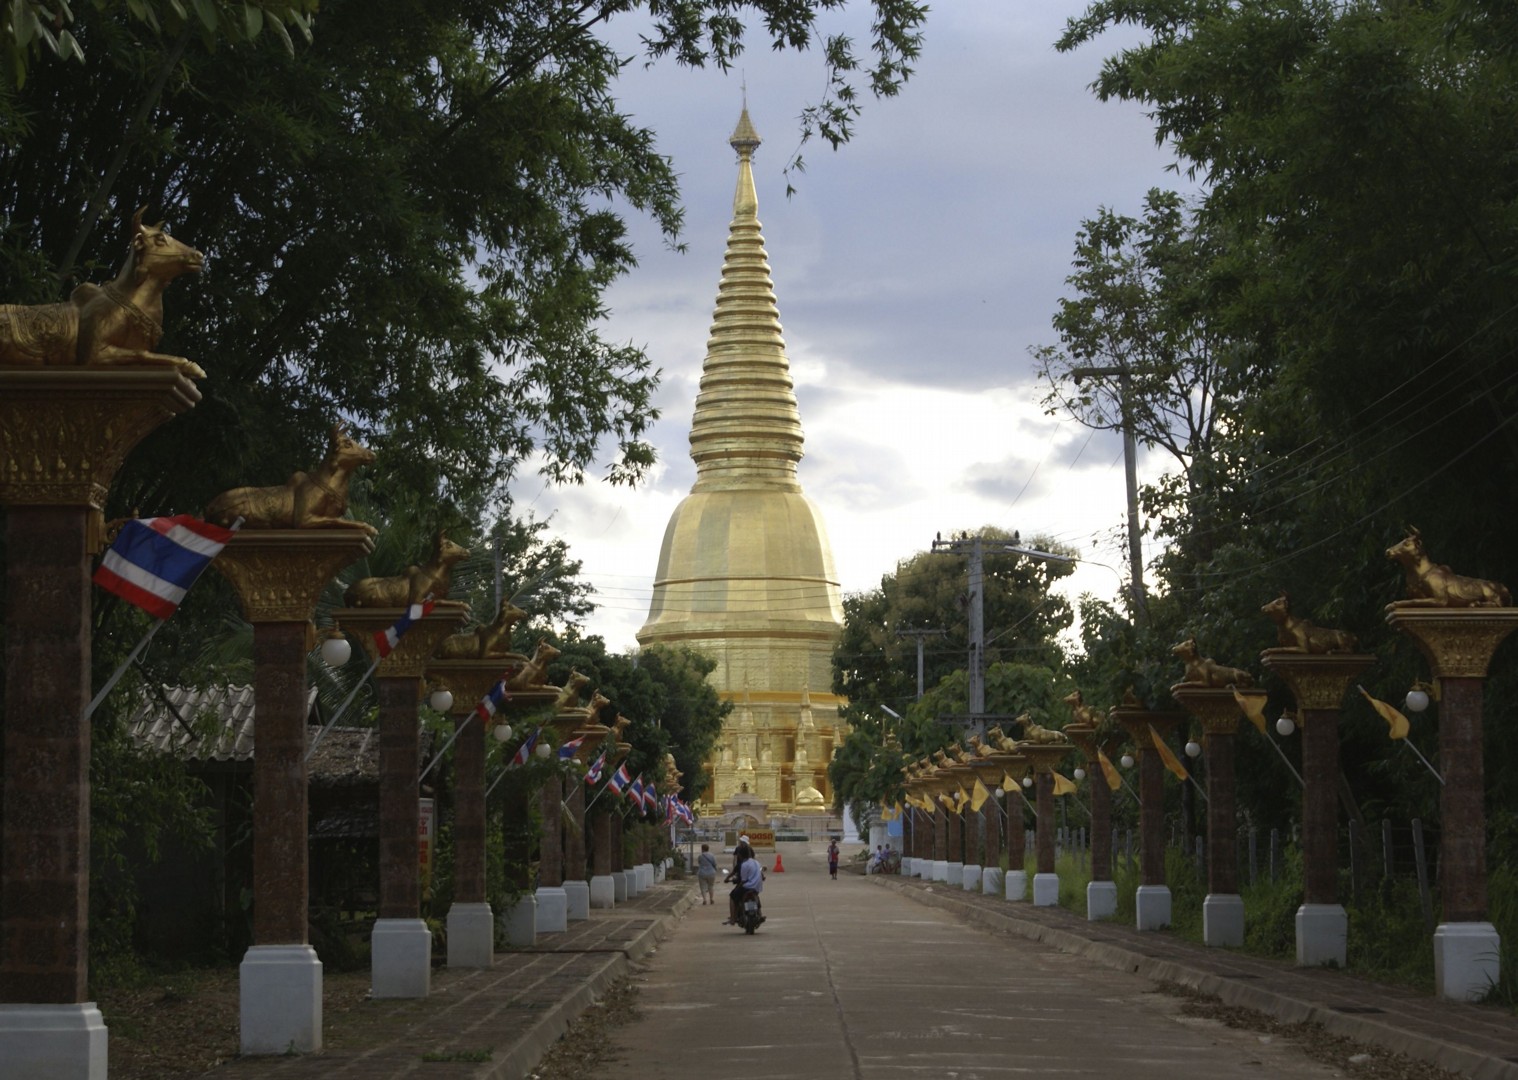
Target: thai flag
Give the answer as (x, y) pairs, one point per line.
(620, 779)
(571, 748)
(525, 750)
(593, 776)
(646, 795)
(154, 561)
(491, 703)
(387, 640)
(635, 791)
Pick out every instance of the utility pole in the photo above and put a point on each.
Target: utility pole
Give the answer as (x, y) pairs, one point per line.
(919, 635)
(1138, 596)
(975, 547)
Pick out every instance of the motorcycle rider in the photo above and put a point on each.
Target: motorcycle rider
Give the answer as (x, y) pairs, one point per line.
(750, 878)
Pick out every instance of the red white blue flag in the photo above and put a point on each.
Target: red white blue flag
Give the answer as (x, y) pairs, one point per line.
(620, 779)
(593, 775)
(643, 791)
(492, 702)
(525, 750)
(154, 561)
(571, 748)
(387, 640)
(635, 792)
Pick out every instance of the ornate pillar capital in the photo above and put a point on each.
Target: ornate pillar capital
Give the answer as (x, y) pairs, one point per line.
(1458, 642)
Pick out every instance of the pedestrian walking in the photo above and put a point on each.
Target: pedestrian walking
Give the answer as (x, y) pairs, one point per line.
(833, 859)
(706, 874)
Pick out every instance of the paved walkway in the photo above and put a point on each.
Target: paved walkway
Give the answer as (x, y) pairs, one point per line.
(882, 977)
(496, 1024)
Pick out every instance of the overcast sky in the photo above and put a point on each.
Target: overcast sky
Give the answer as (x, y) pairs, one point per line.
(915, 268)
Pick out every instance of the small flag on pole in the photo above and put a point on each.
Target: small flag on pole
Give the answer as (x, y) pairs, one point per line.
(153, 561)
(620, 779)
(593, 775)
(386, 640)
(645, 793)
(978, 795)
(1393, 716)
(571, 748)
(525, 750)
(1253, 706)
(1167, 756)
(1063, 785)
(1114, 781)
(491, 703)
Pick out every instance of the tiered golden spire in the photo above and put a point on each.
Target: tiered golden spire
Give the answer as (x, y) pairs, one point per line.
(747, 431)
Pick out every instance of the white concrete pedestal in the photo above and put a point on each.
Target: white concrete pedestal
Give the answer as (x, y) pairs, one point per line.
(991, 881)
(1322, 935)
(603, 891)
(1466, 960)
(1045, 890)
(970, 878)
(400, 959)
(471, 936)
(940, 870)
(659, 872)
(906, 866)
(954, 874)
(1101, 900)
(577, 896)
(519, 922)
(553, 909)
(645, 877)
(279, 991)
(1153, 905)
(619, 891)
(1223, 920)
(59, 1042)
(1017, 884)
(634, 885)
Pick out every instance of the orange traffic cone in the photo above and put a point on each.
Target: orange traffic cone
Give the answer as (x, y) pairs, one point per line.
(779, 866)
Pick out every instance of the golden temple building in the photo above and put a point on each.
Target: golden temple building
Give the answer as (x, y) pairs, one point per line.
(745, 572)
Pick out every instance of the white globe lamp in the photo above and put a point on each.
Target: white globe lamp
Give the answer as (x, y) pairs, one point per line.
(1126, 761)
(335, 649)
(1080, 774)
(1417, 700)
(1193, 749)
(1286, 725)
(502, 733)
(441, 700)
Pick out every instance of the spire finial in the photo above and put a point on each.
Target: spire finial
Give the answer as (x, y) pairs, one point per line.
(744, 139)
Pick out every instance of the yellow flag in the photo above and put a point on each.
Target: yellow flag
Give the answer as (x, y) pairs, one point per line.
(1007, 783)
(890, 813)
(1394, 719)
(1253, 707)
(1114, 781)
(961, 800)
(1063, 785)
(1171, 761)
(978, 795)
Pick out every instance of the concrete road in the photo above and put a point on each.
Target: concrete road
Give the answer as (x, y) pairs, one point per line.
(848, 980)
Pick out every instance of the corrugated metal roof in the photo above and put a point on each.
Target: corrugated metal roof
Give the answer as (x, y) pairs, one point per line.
(217, 724)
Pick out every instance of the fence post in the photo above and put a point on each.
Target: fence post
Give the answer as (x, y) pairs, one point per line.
(1421, 858)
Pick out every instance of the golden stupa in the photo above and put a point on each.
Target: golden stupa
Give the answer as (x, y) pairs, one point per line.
(745, 572)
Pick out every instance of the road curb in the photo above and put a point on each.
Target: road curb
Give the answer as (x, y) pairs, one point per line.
(1446, 1055)
(527, 1049)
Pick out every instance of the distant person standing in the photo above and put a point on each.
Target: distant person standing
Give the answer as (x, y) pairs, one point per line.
(706, 874)
(833, 859)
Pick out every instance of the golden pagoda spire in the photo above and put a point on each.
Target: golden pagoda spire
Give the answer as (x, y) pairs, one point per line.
(746, 432)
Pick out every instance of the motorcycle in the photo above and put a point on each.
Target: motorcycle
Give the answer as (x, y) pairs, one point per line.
(750, 912)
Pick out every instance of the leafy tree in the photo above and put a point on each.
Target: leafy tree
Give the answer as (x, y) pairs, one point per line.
(873, 665)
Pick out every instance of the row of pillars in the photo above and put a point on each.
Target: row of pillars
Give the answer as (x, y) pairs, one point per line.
(1458, 644)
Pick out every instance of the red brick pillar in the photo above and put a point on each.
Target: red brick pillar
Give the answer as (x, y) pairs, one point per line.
(1101, 822)
(1017, 830)
(469, 810)
(1044, 836)
(1462, 814)
(280, 874)
(991, 817)
(400, 893)
(574, 833)
(618, 860)
(940, 833)
(954, 837)
(600, 846)
(46, 879)
(551, 844)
